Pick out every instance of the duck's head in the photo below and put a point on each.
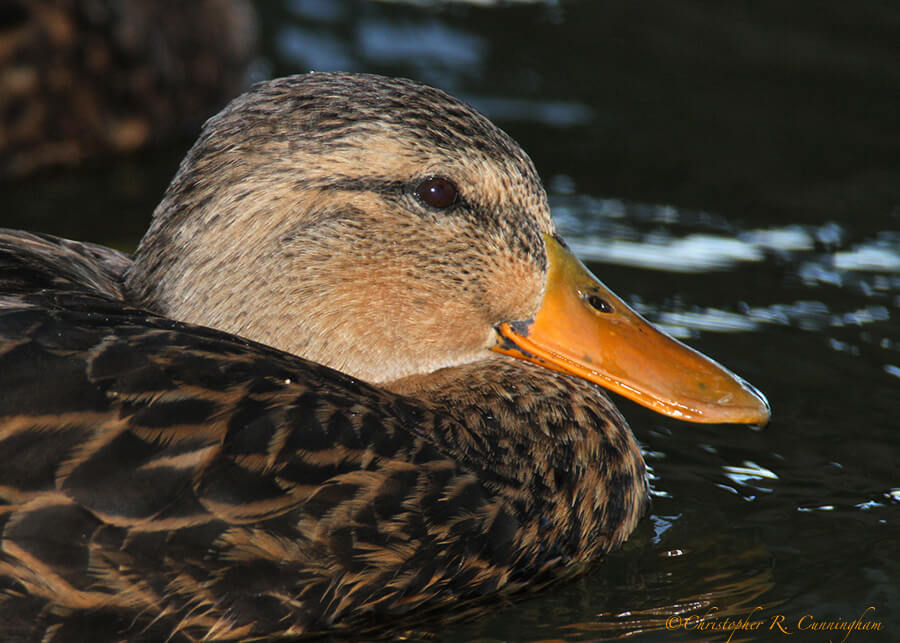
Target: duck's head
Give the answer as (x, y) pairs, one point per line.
(386, 229)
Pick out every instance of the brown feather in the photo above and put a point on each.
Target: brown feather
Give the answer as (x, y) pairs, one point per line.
(160, 479)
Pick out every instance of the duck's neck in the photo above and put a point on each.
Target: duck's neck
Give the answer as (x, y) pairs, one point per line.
(554, 447)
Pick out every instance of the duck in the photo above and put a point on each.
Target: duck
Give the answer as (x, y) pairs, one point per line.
(352, 378)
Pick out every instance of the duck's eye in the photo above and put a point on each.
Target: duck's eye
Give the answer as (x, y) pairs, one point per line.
(437, 192)
(598, 303)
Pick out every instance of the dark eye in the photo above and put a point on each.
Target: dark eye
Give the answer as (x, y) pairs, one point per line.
(437, 192)
(598, 303)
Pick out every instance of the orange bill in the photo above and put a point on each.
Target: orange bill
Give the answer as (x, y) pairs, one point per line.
(583, 329)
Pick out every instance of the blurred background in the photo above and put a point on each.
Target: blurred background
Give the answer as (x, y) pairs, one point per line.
(731, 169)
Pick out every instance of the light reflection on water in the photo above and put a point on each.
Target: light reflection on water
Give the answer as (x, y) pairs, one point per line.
(693, 253)
(881, 255)
(749, 475)
(805, 315)
(703, 252)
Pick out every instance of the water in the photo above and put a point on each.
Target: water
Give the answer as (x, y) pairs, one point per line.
(733, 171)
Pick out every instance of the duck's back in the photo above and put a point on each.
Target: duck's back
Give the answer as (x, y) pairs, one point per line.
(170, 480)
(33, 263)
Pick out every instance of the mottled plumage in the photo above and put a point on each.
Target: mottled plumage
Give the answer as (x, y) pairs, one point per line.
(165, 480)
(146, 459)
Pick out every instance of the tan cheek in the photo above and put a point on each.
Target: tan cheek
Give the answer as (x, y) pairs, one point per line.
(397, 300)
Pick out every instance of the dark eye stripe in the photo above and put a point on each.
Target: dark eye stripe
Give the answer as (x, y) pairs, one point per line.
(379, 186)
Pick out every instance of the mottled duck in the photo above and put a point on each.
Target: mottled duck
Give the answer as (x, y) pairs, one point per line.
(351, 376)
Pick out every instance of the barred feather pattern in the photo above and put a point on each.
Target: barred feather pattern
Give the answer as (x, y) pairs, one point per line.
(163, 481)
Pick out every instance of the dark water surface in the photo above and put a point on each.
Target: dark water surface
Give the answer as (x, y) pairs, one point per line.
(733, 171)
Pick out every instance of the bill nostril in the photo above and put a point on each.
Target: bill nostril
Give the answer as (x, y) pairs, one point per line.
(598, 303)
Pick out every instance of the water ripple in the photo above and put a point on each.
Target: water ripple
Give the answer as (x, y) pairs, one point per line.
(749, 475)
(877, 256)
(693, 253)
